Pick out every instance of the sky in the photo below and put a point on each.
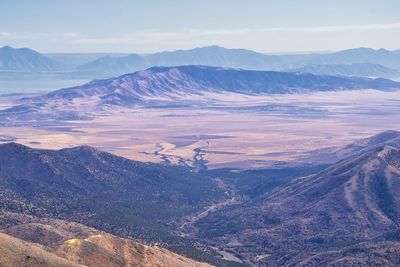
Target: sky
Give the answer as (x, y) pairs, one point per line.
(145, 26)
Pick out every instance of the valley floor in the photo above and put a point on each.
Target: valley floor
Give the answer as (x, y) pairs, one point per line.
(224, 131)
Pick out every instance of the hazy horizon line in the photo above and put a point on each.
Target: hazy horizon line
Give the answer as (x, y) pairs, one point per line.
(322, 51)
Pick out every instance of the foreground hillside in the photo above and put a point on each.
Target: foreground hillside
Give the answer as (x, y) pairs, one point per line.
(110, 193)
(107, 250)
(355, 200)
(16, 252)
(337, 216)
(96, 250)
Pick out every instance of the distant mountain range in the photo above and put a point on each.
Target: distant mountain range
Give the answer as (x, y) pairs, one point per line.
(339, 215)
(247, 59)
(359, 69)
(350, 56)
(353, 62)
(208, 56)
(183, 85)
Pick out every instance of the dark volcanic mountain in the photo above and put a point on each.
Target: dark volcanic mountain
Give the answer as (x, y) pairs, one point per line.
(176, 82)
(24, 59)
(142, 200)
(355, 200)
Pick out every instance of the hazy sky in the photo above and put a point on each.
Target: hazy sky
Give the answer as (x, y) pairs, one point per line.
(154, 25)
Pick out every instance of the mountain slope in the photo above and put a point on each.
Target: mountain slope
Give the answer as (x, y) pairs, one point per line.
(387, 138)
(354, 200)
(166, 86)
(360, 70)
(84, 245)
(332, 155)
(16, 252)
(24, 59)
(81, 182)
(45, 231)
(95, 250)
(141, 200)
(379, 253)
(184, 81)
(108, 251)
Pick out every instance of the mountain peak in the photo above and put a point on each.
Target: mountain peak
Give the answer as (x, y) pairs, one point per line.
(80, 149)
(7, 47)
(24, 59)
(16, 50)
(365, 49)
(13, 146)
(211, 47)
